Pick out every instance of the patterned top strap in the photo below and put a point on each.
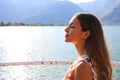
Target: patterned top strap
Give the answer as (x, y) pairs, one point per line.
(86, 58)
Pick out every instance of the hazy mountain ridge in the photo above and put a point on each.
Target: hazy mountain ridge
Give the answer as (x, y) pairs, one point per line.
(15, 11)
(99, 7)
(113, 18)
(107, 10)
(57, 11)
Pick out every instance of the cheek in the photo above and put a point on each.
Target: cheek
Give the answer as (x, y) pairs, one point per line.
(77, 36)
(72, 33)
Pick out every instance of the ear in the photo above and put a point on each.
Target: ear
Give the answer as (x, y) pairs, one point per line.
(86, 34)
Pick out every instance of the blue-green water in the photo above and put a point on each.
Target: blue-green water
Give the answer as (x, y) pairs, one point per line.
(43, 44)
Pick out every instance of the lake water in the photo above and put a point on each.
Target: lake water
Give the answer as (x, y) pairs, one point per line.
(45, 44)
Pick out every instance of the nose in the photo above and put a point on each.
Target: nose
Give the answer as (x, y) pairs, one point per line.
(66, 29)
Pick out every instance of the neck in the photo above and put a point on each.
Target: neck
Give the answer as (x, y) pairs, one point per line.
(80, 50)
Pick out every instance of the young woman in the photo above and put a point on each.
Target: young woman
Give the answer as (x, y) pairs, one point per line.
(85, 32)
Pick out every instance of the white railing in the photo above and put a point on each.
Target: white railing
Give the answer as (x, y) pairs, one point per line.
(45, 63)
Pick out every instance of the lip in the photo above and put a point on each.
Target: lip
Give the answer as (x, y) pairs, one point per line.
(66, 35)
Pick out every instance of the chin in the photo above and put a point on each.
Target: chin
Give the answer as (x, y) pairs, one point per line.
(68, 41)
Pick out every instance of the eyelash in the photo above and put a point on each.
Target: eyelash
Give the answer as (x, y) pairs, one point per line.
(72, 27)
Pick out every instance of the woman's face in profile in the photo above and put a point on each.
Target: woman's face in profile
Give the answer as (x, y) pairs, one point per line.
(74, 31)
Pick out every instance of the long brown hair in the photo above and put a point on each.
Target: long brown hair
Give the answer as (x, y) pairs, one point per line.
(95, 46)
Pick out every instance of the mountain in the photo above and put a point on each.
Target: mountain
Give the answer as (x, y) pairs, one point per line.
(59, 12)
(18, 10)
(56, 11)
(37, 11)
(99, 7)
(113, 17)
(107, 10)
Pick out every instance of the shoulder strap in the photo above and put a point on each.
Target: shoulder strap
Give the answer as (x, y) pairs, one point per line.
(86, 58)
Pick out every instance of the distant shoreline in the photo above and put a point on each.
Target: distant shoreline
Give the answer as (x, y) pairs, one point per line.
(2, 24)
(29, 24)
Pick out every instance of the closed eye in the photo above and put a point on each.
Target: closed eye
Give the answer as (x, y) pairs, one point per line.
(72, 25)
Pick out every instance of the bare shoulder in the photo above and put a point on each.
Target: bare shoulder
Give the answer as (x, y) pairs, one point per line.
(83, 71)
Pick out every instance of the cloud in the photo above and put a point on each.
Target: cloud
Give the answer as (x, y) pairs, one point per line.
(79, 1)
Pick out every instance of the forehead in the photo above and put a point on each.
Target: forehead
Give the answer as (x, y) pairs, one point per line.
(74, 20)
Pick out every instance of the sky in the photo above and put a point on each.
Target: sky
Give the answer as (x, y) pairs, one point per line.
(78, 1)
